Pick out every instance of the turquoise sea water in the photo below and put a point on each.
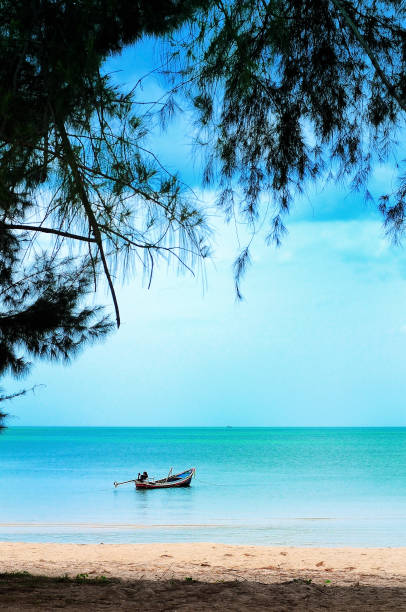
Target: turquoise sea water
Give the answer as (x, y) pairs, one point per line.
(271, 486)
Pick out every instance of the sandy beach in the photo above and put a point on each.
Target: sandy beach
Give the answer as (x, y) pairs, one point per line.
(209, 562)
(290, 578)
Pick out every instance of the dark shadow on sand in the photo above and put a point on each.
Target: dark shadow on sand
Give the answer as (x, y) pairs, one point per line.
(22, 591)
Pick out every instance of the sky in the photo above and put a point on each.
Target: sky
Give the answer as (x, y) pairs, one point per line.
(319, 339)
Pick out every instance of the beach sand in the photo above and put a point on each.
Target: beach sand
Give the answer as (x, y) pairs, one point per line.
(203, 576)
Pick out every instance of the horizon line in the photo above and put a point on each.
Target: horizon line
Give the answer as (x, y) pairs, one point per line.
(211, 426)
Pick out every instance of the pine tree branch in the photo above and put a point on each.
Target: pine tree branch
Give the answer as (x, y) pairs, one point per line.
(47, 230)
(150, 247)
(391, 89)
(88, 210)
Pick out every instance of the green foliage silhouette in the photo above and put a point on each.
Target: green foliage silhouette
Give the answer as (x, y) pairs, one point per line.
(81, 198)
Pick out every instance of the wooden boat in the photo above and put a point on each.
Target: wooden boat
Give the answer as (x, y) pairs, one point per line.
(182, 479)
(176, 480)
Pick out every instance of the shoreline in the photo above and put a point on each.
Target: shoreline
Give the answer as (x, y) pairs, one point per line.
(209, 562)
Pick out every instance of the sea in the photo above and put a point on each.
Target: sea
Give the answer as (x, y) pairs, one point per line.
(268, 486)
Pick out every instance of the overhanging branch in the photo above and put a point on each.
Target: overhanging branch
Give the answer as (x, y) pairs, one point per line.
(88, 210)
(390, 87)
(47, 230)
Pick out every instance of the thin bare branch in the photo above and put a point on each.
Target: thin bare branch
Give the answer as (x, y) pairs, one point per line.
(88, 210)
(47, 230)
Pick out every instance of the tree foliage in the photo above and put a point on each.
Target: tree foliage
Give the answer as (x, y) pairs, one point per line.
(80, 196)
(288, 91)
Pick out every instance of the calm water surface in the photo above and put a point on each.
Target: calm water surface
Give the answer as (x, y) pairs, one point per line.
(273, 486)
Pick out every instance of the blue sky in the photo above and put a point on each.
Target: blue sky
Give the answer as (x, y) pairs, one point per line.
(320, 339)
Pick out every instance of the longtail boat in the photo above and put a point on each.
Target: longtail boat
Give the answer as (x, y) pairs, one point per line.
(182, 479)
